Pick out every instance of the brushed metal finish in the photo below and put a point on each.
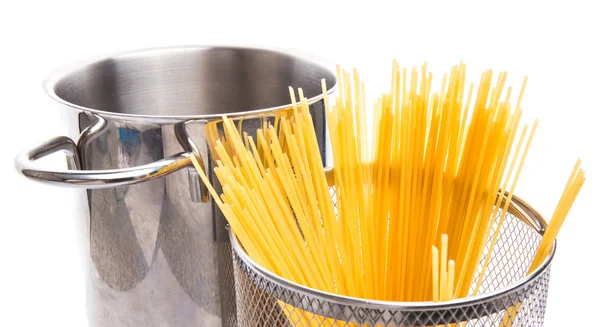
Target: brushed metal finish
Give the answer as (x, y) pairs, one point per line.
(159, 254)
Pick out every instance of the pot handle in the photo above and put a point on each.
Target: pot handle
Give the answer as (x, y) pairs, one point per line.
(91, 179)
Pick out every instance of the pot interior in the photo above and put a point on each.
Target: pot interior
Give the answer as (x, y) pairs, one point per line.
(188, 81)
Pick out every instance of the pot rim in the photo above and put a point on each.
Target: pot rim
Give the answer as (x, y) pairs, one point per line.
(57, 75)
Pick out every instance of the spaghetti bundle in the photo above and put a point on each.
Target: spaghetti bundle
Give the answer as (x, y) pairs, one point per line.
(417, 195)
(445, 163)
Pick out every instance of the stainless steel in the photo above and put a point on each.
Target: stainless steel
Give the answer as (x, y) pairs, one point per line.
(190, 146)
(159, 254)
(109, 178)
(264, 299)
(51, 146)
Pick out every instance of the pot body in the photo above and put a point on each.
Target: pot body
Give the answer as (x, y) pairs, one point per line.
(157, 248)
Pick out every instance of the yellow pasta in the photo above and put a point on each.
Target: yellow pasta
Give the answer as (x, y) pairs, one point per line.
(426, 174)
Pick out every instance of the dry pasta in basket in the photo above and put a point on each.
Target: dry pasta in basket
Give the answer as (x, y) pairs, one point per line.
(412, 201)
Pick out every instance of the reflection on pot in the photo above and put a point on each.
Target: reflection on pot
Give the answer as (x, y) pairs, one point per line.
(124, 220)
(158, 254)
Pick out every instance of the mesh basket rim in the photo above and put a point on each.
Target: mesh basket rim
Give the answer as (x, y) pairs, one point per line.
(517, 207)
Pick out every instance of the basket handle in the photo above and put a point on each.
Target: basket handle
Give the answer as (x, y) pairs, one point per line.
(190, 146)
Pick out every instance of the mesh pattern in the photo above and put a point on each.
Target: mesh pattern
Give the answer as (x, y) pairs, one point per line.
(228, 314)
(266, 301)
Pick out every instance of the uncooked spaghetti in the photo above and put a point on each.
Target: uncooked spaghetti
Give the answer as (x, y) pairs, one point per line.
(432, 171)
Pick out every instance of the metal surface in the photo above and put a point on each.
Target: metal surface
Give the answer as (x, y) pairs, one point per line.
(264, 299)
(25, 163)
(198, 191)
(159, 254)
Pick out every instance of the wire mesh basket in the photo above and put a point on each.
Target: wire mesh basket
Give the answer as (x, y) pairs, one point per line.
(508, 297)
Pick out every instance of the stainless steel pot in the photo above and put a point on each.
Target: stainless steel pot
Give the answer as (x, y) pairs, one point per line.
(158, 248)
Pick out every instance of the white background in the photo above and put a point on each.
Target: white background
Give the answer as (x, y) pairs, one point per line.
(555, 44)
